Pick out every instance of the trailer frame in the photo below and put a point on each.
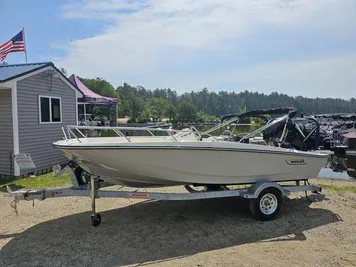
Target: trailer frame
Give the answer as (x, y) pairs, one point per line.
(265, 197)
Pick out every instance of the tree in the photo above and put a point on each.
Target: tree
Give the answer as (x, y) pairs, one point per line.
(120, 106)
(100, 86)
(201, 117)
(171, 112)
(146, 115)
(187, 111)
(136, 106)
(126, 93)
(213, 119)
(138, 102)
(158, 107)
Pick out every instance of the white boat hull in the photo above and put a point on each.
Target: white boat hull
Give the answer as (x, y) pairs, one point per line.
(157, 164)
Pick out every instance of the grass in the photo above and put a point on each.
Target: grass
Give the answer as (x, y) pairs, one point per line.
(37, 182)
(339, 188)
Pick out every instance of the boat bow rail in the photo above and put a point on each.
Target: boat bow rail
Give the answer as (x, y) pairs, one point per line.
(286, 114)
(79, 132)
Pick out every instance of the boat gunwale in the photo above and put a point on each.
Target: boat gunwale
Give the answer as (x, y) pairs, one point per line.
(182, 146)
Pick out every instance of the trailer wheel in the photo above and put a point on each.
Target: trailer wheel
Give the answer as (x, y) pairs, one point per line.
(268, 204)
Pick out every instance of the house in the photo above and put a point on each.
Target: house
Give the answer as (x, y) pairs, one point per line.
(36, 100)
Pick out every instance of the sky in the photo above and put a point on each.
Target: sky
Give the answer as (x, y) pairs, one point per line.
(296, 47)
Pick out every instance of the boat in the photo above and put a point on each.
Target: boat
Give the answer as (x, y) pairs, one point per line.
(187, 158)
(338, 132)
(301, 133)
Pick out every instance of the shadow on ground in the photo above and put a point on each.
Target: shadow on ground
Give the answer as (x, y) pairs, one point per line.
(156, 231)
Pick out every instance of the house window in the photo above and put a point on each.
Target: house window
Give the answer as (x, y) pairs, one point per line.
(50, 109)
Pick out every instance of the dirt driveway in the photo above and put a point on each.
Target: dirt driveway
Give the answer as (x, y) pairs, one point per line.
(220, 232)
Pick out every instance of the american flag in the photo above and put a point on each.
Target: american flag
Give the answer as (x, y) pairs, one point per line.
(15, 44)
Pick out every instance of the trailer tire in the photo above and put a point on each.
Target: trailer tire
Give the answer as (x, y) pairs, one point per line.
(268, 204)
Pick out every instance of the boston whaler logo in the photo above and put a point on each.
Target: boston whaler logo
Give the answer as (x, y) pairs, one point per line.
(296, 162)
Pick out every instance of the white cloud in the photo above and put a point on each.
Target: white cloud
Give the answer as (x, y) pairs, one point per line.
(102, 10)
(326, 77)
(146, 36)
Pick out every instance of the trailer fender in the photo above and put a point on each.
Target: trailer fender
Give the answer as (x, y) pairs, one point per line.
(255, 190)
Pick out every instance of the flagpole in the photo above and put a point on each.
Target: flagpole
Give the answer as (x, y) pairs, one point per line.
(24, 43)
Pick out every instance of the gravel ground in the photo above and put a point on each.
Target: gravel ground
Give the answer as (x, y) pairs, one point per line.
(220, 232)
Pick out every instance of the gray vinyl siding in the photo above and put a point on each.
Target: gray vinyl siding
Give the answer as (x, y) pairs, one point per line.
(6, 133)
(35, 138)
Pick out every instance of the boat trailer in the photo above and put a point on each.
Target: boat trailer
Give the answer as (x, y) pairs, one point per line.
(265, 197)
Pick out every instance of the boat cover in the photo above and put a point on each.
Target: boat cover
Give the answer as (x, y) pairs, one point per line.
(258, 113)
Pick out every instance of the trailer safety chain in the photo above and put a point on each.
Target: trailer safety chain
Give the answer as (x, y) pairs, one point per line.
(13, 205)
(306, 192)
